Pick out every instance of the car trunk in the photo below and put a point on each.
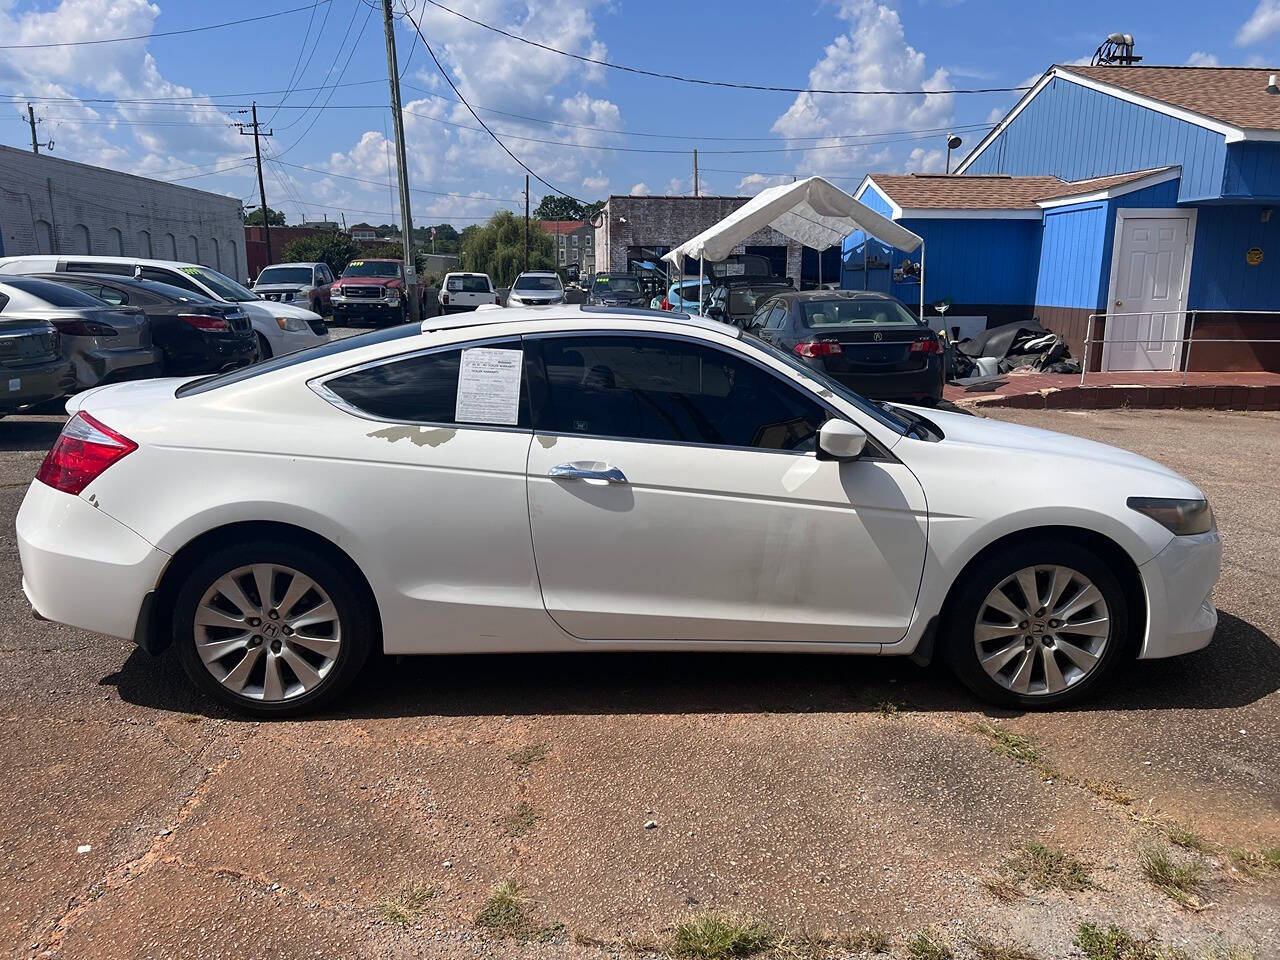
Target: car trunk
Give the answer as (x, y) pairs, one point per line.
(25, 343)
(874, 349)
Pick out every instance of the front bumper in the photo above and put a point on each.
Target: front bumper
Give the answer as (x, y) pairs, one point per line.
(80, 567)
(1178, 581)
(368, 309)
(22, 387)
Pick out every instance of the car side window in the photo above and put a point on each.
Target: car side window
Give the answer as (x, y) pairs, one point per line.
(171, 277)
(777, 316)
(417, 389)
(670, 390)
(110, 295)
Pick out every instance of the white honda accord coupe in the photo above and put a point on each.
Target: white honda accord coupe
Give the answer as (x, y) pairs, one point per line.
(597, 479)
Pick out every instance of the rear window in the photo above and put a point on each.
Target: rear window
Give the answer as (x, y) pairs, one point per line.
(332, 348)
(826, 314)
(468, 285)
(689, 291)
(54, 294)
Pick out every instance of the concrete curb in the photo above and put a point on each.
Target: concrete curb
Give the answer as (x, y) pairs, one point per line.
(1190, 397)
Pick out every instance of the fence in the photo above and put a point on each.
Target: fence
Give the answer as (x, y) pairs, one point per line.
(1189, 340)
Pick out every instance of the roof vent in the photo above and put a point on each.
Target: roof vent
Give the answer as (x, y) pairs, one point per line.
(1116, 49)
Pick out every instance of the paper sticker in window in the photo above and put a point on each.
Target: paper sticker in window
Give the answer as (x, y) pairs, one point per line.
(489, 386)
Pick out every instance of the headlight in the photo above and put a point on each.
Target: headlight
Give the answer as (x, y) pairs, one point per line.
(286, 296)
(1183, 518)
(292, 324)
(392, 299)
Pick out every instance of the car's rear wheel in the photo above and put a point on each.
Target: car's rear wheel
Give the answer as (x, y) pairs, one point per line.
(271, 629)
(264, 348)
(1038, 625)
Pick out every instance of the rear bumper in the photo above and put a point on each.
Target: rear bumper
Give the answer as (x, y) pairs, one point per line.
(1178, 581)
(22, 387)
(923, 384)
(111, 366)
(457, 307)
(205, 353)
(80, 567)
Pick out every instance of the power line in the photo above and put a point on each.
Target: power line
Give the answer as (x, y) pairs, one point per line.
(458, 93)
(164, 33)
(710, 83)
(355, 12)
(210, 173)
(302, 49)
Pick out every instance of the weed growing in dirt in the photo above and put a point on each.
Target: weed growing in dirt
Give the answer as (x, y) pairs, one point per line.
(528, 755)
(1114, 943)
(889, 708)
(1183, 883)
(406, 905)
(927, 945)
(1271, 857)
(866, 940)
(1180, 836)
(1041, 868)
(713, 936)
(987, 949)
(1108, 790)
(521, 820)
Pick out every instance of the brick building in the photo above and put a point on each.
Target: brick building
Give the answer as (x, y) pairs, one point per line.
(575, 243)
(637, 229)
(51, 205)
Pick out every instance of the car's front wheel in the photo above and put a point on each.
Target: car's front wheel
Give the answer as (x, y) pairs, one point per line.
(1038, 625)
(271, 629)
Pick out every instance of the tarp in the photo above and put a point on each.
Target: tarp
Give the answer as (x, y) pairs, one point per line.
(812, 211)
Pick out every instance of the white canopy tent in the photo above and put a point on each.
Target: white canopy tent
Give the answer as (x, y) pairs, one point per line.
(812, 211)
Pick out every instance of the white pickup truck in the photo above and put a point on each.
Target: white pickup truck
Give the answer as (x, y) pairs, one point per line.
(466, 291)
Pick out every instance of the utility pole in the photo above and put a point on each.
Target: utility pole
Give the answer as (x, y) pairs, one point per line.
(695, 173)
(262, 190)
(31, 118)
(402, 172)
(526, 223)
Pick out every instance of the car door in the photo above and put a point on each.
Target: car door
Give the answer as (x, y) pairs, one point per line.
(321, 280)
(674, 494)
(433, 448)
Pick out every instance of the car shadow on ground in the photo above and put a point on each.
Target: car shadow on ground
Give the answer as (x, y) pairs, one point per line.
(1241, 666)
(30, 432)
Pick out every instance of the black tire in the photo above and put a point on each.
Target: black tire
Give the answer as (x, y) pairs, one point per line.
(357, 622)
(969, 595)
(264, 348)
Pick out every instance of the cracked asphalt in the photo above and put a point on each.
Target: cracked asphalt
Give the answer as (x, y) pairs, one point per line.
(819, 794)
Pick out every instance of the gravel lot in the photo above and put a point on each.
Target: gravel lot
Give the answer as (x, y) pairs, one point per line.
(823, 796)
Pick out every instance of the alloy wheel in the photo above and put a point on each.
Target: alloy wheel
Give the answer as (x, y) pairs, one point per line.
(1041, 630)
(267, 632)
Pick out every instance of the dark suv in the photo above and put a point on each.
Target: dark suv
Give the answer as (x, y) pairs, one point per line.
(871, 342)
(617, 290)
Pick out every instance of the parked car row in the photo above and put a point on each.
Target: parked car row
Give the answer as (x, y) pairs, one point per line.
(71, 323)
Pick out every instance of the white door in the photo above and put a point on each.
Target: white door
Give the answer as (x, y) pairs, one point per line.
(674, 495)
(1148, 291)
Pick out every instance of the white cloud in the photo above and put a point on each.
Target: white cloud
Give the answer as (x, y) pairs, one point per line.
(925, 161)
(753, 183)
(598, 183)
(641, 189)
(1262, 25)
(874, 53)
(1202, 59)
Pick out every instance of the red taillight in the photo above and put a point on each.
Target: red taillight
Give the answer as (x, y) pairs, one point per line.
(208, 324)
(84, 449)
(818, 348)
(926, 346)
(444, 298)
(666, 304)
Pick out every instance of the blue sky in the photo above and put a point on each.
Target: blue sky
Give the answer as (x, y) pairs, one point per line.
(907, 44)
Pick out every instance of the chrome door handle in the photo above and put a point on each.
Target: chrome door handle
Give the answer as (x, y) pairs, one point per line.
(587, 471)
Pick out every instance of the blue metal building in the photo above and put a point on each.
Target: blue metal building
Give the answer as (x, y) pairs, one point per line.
(1142, 196)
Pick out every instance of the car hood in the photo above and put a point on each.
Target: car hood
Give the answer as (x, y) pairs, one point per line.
(369, 281)
(998, 436)
(272, 309)
(538, 294)
(280, 288)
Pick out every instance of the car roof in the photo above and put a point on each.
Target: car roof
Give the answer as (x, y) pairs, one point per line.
(465, 273)
(539, 273)
(300, 263)
(96, 258)
(375, 260)
(797, 295)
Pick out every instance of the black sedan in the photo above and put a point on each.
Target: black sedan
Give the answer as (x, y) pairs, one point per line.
(870, 342)
(195, 334)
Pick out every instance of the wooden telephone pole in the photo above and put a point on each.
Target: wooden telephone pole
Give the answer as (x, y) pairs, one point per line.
(402, 170)
(257, 153)
(526, 223)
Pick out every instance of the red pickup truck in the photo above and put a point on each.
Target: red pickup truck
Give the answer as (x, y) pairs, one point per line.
(373, 291)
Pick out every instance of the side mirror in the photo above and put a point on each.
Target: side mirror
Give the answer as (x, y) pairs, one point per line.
(840, 440)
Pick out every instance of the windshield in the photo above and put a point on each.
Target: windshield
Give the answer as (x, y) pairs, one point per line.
(746, 299)
(616, 285)
(372, 268)
(888, 418)
(224, 287)
(284, 275)
(871, 311)
(537, 283)
(177, 294)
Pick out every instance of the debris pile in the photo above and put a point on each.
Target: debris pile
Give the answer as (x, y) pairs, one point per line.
(1021, 347)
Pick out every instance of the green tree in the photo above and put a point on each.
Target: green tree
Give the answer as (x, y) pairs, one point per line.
(388, 229)
(335, 249)
(446, 238)
(556, 207)
(275, 218)
(497, 248)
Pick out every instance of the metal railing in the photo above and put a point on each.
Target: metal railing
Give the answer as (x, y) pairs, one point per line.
(1189, 339)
